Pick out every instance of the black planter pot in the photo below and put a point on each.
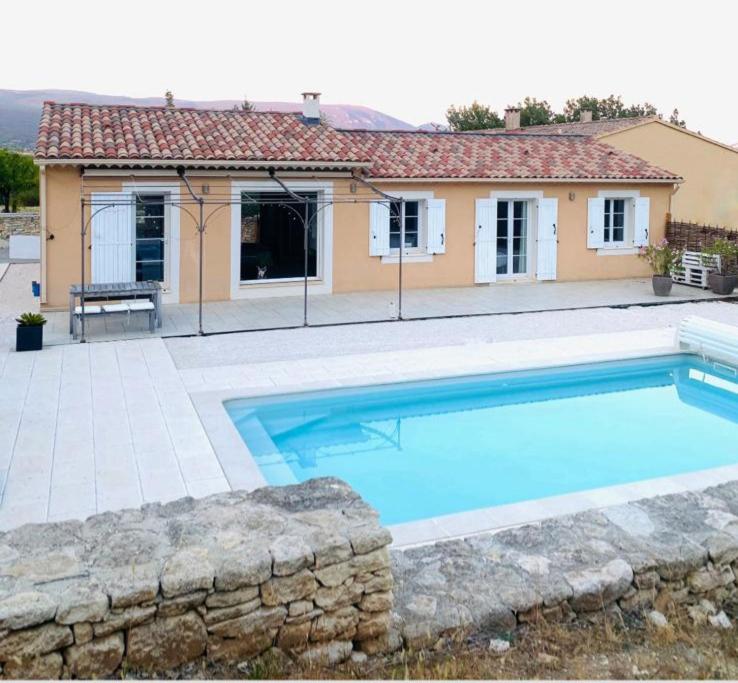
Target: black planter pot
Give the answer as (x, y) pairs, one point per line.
(29, 337)
(722, 284)
(661, 284)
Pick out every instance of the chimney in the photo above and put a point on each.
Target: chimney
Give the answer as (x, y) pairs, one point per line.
(311, 107)
(512, 118)
(585, 116)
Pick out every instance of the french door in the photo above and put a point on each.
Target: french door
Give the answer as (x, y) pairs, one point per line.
(513, 223)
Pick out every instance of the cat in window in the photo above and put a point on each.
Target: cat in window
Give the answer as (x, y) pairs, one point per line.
(261, 272)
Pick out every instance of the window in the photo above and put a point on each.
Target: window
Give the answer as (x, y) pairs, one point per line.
(150, 237)
(272, 236)
(614, 221)
(413, 225)
(512, 237)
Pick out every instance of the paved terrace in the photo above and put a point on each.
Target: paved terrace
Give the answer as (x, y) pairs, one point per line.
(281, 312)
(88, 428)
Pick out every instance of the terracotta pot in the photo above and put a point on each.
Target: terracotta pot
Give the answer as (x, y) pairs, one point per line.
(722, 284)
(662, 284)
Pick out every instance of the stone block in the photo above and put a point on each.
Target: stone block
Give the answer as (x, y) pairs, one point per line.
(173, 607)
(377, 602)
(327, 654)
(250, 567)
(366, 539)
(43, 667)
(338, 625)
(132, 585)
(284, 589)
(123, 619)
(26, 609)
(230, 598)
(290, 554)
(39, 640)
(81, 603)
(96, 659)
(293, 637)
(167, 643)
(187, 571)
(593, 589)
(213, 616)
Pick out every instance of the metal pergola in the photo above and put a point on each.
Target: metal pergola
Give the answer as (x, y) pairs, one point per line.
(195, 206)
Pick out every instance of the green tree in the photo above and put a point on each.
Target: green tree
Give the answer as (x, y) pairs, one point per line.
(674, 118)
(535, 112)
(18, 179)
(611, 107)
(244, 106)
(474, 117)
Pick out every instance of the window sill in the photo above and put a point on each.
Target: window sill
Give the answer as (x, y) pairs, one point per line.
(277, 281)
(408, 258)
(618, 251)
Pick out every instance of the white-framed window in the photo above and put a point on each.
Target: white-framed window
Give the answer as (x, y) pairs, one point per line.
(413, 214)
(618, 221)
(513, 217)
(614, 221)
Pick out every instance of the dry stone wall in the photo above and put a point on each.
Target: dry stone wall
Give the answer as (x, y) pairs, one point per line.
(304, 568)
(18, 224)
(665, 553)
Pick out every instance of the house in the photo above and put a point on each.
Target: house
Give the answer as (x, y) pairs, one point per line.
(709, 193)
(467, 209)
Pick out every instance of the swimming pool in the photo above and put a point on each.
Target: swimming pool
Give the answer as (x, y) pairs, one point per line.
(426, 449)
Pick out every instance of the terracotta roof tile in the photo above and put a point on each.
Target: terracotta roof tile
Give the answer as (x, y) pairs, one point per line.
(455, 155)
(122, 133)
(84, 131)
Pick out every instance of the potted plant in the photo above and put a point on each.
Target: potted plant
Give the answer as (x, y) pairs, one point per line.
(723, 280)
(29, 335)
(664, 260)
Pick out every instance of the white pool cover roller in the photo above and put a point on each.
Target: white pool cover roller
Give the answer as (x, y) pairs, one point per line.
(709, 339)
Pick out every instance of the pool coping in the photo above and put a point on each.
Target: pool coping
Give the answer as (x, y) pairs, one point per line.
(242, 472)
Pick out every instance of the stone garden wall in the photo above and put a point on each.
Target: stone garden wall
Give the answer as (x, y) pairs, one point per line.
(665, 553)
(303, 568)
(18, 224)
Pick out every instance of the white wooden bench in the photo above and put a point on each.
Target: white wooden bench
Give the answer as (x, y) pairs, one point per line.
(695, 268)
(126, 307)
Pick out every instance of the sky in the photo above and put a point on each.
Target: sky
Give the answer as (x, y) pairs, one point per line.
(405, 58)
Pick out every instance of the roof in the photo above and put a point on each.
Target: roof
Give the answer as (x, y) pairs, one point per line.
(455, 155)
(111, 135)
(110, 132)
(589, 128)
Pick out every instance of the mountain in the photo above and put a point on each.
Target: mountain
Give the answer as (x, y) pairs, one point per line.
(21, 109)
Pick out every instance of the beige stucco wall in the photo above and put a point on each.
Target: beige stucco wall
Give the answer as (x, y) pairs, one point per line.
(353, 268)
(709, 194)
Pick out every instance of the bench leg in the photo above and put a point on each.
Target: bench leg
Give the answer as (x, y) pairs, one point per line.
(152, 320)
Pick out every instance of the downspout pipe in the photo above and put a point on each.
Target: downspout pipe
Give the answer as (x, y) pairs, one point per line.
(181, 172)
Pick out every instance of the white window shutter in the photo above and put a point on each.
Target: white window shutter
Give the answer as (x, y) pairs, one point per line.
(641, 221)
(485, 241)
(113, 237)
(379, 229)
(436, 226)
(548, 210)
(596, 223)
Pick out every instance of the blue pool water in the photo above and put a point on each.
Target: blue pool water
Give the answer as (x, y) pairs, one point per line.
(433, 448)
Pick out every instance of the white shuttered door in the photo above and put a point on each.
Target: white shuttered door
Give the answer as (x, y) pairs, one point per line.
(548, 209)
(485, 241)
(113, 235)
(379, 229)
(436, 226)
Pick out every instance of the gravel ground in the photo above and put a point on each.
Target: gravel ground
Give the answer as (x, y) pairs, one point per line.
(261, 347)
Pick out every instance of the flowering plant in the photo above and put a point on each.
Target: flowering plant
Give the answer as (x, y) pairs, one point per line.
(662, 257)
(727, 252)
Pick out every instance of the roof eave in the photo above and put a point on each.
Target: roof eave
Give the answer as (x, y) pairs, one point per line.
(661, 181)
(203, 164)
